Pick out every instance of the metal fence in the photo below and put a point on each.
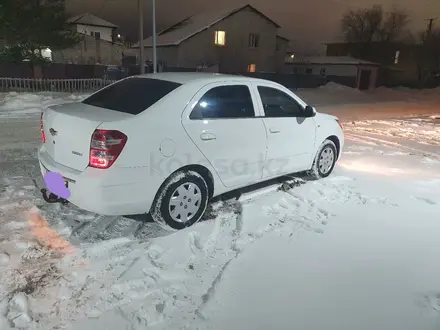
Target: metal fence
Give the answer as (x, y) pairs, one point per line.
(52, 85)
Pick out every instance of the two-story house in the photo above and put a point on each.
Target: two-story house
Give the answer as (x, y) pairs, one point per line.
(98, 42)
(94, 26)
(240, 39)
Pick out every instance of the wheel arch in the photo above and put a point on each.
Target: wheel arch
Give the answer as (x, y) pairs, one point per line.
(337, 143)
(205, 173)
(200, 169)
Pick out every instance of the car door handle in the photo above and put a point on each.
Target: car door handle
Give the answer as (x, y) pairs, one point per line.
(274, 130)
(207, 136)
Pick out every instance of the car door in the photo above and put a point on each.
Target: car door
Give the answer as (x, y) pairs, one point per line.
(222, 121)
(291, 135)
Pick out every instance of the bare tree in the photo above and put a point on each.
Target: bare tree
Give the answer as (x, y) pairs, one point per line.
(372, 24)
(362, 25)
(393, 24)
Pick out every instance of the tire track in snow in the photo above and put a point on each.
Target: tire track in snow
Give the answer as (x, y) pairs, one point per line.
(368, 140)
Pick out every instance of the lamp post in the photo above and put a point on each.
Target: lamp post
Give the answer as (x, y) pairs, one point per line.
(154, 36)
(141, 38)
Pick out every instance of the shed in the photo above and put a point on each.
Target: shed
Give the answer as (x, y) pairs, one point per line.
(344, 70)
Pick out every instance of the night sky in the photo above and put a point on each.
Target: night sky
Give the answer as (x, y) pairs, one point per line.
(306, 22)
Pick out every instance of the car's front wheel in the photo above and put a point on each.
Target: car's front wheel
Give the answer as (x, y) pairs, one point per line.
(181, 201)
(325, 160)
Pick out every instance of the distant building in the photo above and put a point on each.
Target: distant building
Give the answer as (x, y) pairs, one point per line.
(344, 70)
(94, 26)
(240, 39)
(400, 62)
(98, 43)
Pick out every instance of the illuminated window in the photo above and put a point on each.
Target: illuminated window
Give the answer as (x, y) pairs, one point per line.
(252, 67)
(220, 38)
(396, 57)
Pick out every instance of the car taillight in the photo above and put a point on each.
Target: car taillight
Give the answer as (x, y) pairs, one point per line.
(105, 147)
(339, 123)
(43, 135)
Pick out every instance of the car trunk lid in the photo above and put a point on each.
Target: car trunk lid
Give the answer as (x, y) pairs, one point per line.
(69, 129)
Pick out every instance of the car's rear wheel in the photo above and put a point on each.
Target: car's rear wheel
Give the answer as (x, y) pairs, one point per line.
(325, 160)
(181, 201)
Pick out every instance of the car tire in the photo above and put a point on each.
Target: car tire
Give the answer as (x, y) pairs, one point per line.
(325, 161)
(181, 201)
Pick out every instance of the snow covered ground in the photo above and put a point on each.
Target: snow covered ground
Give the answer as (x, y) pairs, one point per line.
(355, 251)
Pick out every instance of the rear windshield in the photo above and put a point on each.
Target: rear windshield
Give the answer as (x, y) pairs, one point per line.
(132, 95)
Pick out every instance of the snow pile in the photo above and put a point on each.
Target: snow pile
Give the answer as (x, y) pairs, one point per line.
(15, 104)
(332, 86)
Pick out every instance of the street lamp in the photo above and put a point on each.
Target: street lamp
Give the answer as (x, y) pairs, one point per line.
(141, 38)
(154, 36)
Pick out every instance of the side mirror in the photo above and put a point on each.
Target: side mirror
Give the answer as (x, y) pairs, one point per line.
(309, 111)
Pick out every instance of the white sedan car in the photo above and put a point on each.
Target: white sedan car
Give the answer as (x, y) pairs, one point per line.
(167, 143)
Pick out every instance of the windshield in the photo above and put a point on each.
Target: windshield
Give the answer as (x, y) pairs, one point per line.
(132, 95)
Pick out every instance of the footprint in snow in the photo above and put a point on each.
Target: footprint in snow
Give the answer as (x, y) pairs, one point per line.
(426, 200)
(430, 301)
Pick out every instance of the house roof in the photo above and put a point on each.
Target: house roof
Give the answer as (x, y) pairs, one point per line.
(332, 60)
(90, 19)
(195, 24)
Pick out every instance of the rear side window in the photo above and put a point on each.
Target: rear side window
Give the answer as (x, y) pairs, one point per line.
(232, 101)
(132, 95)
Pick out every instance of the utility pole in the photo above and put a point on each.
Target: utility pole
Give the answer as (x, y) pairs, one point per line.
(430, 24)
(425, 64)
(141, 38)
(154, 37)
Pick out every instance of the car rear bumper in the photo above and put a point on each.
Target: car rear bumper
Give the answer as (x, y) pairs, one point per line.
(114, 191)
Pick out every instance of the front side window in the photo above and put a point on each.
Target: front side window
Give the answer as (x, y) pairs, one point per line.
(131, 95)
(276, 103)
(232, 101)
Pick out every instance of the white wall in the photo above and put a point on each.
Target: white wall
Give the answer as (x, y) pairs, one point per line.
(331, 70)
(106, 33)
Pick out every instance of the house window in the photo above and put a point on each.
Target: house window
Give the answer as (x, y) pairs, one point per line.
(220, 38)
(309, 70)
(396, 57)
(254, 40)
(252, 67)
(97, 35)
(323, 71)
